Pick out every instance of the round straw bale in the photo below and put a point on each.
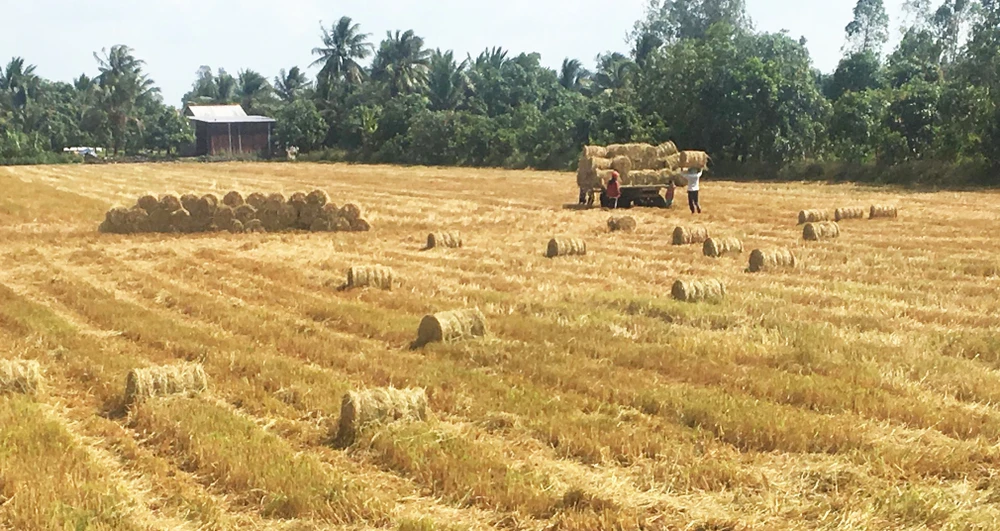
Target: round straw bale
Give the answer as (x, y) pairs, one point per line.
(189, 202)
(350, 211)
(151, 382)
(623, 165)
(451, 326)
(596, 163)
(694, 159)
(587, 179)
(233, 199)
(256, 200)
(340, 225)
(137, 220)
(245, 213)
(698, 290)
(254, 226)
(148, 202)
(624, 224)
(115, 221)
(320, 224)
(566, 247)
(180, 221)
(380, 277)
(690, 235)
(224, 216)
(824, 230)
(813, 216)
(848, 213)
(170, 203)
(360, 225)
(666, 149)
(449, 240)
(679, 180)
(235, 226)
(594, 151)
(20, 376)
(716, 247)
(212, 200)
(883, 211)
(274, 202)
(159, 220)
(362, 408)
(298, 198)
(767, 259)
(317, 198)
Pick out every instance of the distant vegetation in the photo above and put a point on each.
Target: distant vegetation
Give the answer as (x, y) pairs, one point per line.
(698, 73)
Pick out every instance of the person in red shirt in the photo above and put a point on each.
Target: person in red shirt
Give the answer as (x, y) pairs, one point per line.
(614, 190)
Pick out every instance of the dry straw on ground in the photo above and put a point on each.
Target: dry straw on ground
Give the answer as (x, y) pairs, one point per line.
(848, 213)
(20, 376)
(447, 240)
(824, 230)
(380, 277)
(361, 408)
(690, 235)
(566, 247)
(883, 211)
(813, 216)
(768, 259)
(694, 159)
(451, 326)
(716, 247)
(698, 290)
(143, 384)
(623, 224)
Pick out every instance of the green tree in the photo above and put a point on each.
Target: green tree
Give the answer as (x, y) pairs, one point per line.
(869, 31)
(918, 56)
(289, 85)
(856, 125)
(124, 90)
(402, 63)
(614, 71)
(573, 76)
(169, 130)
(672, 20)
(343, 46)
(300, 124)
(857, 72)
(448, 81)
(254, 91)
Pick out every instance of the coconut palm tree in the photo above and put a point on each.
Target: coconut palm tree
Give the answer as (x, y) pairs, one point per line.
(343, 46)
(124, 90)
(402, 63)
(18, 84)
(253, 89)
(447, 81)
(289, 84)
(613, 71)
(494, 58)
(573, 76)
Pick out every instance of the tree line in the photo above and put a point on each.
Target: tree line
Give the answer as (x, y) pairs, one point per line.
(698, 73)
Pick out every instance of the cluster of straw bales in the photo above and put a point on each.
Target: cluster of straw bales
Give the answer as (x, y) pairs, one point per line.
(235, 213)
(636, 164)
(846, 213)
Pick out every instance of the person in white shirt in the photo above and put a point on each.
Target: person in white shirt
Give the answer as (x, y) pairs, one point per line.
(693, 176)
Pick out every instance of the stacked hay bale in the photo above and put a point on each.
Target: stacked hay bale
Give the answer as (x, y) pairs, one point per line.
(256, 212)
(824, 230)
(636, 164)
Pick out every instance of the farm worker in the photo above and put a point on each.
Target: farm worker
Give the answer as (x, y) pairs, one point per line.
(583, 196)
(670, 194)
(614, 190)
(694, 186)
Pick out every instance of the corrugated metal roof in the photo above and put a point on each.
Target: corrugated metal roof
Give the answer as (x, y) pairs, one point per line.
(233, 119)
(216, 111)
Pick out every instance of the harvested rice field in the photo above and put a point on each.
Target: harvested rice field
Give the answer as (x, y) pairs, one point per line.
(855, 390)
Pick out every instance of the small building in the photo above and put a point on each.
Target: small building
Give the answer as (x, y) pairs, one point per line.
(228, 130)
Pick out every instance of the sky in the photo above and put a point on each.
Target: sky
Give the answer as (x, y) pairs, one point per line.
(176, 37)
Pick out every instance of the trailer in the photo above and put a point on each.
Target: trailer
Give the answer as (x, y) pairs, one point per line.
(648, 196)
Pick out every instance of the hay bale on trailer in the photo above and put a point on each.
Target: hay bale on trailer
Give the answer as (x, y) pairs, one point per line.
(594, 151)
(666, 149)
(642, 156)
(20, 376)
(625, 224)
(716, 247)
(824, 230)
(566, 247)
(848, 213)
(233, 199)
(813, 216)
(361, 408)
(769, 259)
(690, 235)
(380, 277)
(698, 290)
(622, 165)
(151, 382)
(884, 212)
(448, 240)
(451, 326)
